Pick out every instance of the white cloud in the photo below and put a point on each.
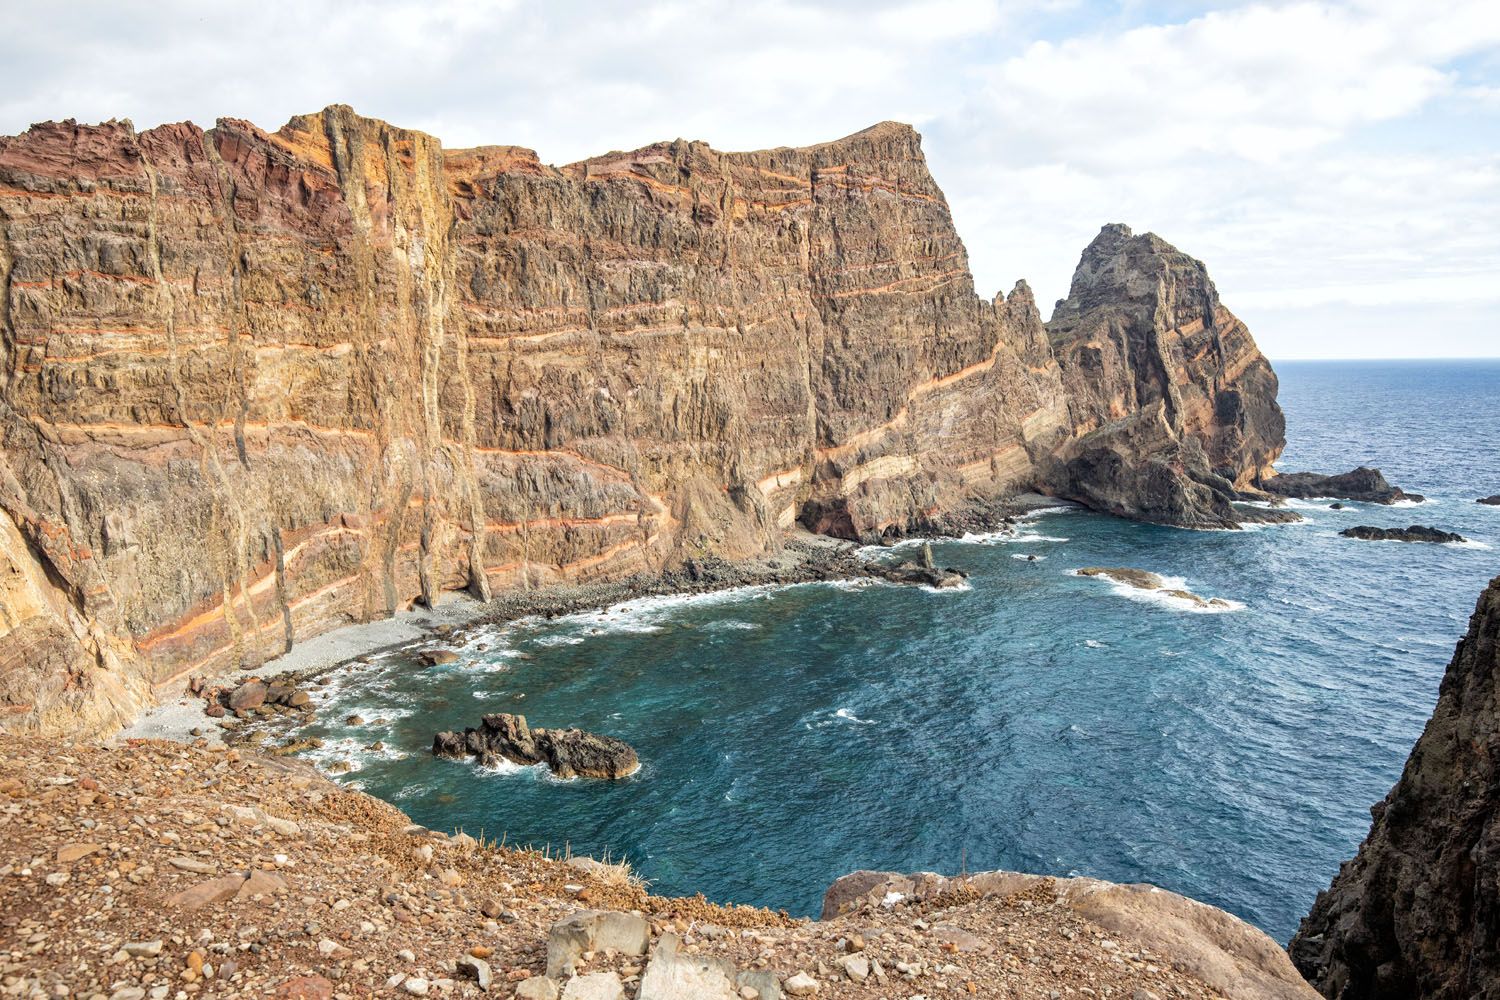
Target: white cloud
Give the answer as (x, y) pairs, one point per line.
(1314, 154)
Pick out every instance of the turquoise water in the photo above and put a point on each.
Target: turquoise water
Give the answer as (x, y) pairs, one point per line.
(1037, 721)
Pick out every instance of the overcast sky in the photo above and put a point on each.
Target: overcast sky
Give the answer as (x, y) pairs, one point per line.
(1337, 165)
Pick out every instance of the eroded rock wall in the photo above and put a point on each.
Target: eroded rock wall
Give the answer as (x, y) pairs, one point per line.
(256, 385)
(1174, 406)
(1414, 915)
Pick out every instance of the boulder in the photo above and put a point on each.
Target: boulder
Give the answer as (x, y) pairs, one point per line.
(673, 975)
(437, 657)
(594, 986)
(1493, 501)
(476, 969)
(567, 753)
(1414, 533)
(1363, 484)
(536, 988)
(594, 930)
(248, 696)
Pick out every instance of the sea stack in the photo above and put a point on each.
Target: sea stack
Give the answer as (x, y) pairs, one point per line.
(1414, 916)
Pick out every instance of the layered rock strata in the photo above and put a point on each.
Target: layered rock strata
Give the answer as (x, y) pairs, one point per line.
(1173, 407)
(255, 385)
(1414, 915)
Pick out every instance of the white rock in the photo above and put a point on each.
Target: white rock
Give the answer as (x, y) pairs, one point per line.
(800, 985)
(416, 987)
(594, 986)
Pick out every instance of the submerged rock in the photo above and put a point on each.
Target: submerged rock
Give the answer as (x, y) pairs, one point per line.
(1363, 484)
(1142, 580)
(1137, 578)
(567, 753)
(1413, 916)
(1415, 533)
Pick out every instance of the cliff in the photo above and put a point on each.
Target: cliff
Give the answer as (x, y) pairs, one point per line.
(255, 385)
(1173, 406)
(1414, 915)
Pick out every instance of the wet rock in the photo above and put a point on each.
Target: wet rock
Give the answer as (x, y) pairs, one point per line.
(1414, 533)
(1493, 501)
(1137, 578)
(920, 571)
(566, 752)
(1363, 484)
(437, 657)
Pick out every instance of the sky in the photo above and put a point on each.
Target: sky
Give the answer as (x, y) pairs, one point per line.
(1336, 165)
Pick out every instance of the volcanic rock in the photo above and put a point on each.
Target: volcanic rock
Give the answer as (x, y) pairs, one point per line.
(1413, 916)
(548, 375)
(1174, 408)
(1363, 484)
(1493, 501)
(566, 752)
(1414, 533)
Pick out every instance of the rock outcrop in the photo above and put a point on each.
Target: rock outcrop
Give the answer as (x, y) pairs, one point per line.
(257, 385)
(1492, 501)
(1414, 916)
(1173, 406)
(1234, 958)
(1139, 579)
(568, 753)
(1363, 484)
(1415, 533)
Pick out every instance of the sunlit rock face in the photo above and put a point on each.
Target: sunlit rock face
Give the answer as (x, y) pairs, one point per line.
(259, 385)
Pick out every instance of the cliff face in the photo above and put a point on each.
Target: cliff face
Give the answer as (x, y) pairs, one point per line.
(1415, 915)
(1174, 407)
(253, 386)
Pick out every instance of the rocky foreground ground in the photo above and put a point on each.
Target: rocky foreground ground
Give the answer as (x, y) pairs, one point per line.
(158, 869)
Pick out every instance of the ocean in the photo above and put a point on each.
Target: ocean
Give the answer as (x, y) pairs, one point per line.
(1036, 721)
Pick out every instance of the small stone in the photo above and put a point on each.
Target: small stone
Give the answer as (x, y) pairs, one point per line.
(215, 890)
(192, 865)
(475, 968)
(594, 986)
(69, 853)
(416, 986)
(856, 967)
(536, 988)
(142, 949)
(800, 985)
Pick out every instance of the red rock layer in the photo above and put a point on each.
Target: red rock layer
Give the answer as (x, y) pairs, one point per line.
(254, 386)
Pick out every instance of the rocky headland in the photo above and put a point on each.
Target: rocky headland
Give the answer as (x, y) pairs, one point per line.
(258, 385)
(1414, 914)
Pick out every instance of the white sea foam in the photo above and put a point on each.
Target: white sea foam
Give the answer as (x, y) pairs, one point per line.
(1093, 644)
(731, 625)
(849, 716)
(1162, 597)
(1026, 558)
(1412, 503)
(1469, 544)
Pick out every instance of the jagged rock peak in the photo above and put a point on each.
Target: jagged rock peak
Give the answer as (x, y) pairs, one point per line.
(1414, 916)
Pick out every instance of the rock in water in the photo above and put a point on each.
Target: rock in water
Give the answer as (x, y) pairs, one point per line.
(1137, 578)
(1493, 501)
(1175, 406)
(566, 752)
(1415, 533)
(1363, 484)
(1414, 916)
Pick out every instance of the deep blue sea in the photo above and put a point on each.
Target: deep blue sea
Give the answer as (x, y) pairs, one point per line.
(1037, 721)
